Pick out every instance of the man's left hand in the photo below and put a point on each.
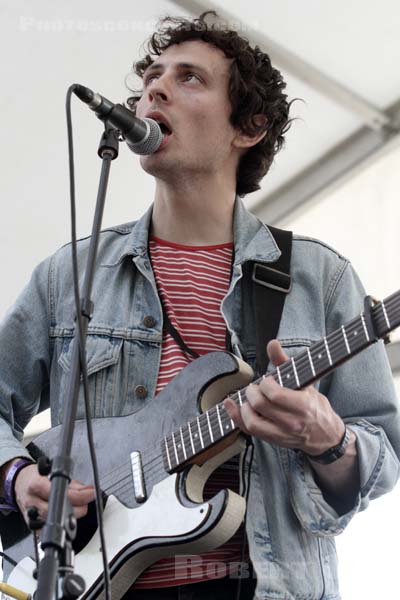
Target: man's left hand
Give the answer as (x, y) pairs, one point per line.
(302, 419)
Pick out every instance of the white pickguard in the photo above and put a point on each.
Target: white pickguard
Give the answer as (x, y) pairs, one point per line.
(161, 515)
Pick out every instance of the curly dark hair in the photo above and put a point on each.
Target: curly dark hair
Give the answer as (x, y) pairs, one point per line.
(255, 88)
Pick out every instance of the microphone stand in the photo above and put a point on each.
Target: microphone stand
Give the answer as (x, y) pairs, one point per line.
(56, 579)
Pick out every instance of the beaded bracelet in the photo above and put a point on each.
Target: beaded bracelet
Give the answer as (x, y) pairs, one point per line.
(9, 482)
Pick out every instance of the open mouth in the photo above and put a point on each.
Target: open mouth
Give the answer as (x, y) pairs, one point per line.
(164, 128)
(164, 125)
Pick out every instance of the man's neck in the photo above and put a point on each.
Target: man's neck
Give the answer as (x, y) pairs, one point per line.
(193, 214)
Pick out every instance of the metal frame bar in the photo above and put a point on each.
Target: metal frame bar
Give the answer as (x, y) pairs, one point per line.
(332, 169)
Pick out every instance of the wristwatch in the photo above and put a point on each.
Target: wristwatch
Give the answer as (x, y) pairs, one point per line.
(334, 453)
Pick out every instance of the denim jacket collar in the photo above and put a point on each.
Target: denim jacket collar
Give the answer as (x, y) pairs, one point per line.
(253, 240)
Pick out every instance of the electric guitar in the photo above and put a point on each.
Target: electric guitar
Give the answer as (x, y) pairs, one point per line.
(155, 462)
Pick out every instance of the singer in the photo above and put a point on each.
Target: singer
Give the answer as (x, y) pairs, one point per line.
(178, 284)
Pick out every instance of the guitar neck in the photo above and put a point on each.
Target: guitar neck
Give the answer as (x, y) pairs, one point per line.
(308, 366)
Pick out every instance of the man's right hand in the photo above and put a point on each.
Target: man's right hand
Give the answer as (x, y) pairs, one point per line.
(32, 489)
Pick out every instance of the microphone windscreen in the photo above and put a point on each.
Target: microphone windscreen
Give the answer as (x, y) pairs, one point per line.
(151, 142)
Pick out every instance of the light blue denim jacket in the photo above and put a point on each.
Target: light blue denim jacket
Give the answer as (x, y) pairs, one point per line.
(290, 526)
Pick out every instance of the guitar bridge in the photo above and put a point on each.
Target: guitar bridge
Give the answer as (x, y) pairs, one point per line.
(138, 478)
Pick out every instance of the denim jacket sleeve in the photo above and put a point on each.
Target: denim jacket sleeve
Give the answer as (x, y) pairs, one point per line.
(362, 392)
(24, 362)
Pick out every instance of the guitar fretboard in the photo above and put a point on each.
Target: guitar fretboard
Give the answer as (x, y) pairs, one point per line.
(307, 367)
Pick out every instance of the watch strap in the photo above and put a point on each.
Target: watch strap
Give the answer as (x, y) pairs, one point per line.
(334, 453)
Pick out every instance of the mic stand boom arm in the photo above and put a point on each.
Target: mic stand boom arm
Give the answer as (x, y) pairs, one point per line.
(60, 528)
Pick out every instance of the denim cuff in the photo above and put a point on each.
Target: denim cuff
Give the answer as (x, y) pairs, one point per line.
(378, 468)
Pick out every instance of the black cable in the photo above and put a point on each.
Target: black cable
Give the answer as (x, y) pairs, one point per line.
(246, 492)
(82, 353)
(8, 558)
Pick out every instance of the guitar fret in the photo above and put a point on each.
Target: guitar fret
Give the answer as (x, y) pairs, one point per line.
(209, 427)
(175, 450)
(183, 444)
(311, 362)
(201, 436)
(304, 368)
(219, 420)
(230, 421)
(385, 315)
(240, 398)
(191, 439)
(345, 340)
(320, 359)
(167, 453)
(327, 351)
(279, 376)
(295, 372)
(365, 327)
(356, 335)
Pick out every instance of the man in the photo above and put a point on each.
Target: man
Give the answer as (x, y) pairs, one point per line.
(224, 114)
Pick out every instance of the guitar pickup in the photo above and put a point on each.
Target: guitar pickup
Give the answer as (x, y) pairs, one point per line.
(138, 478)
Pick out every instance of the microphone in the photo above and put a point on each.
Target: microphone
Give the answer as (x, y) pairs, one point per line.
(143, 136)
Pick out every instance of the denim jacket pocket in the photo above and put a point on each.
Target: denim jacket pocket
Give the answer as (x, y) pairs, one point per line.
(105, 369)
(101, 352)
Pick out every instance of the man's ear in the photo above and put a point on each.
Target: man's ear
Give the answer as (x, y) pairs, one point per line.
(243, 140)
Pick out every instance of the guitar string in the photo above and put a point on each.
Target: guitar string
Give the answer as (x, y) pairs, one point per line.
(157, 458)
(393, 297)
(332, 342)
(387, 302)
(391, 304)
(225, 419)
(337, 336)
(302, 360)
(157, 462)
(116, 508)
(334, 339)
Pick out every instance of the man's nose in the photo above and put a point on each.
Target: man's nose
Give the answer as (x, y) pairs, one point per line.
(158, 95)
(159, 90)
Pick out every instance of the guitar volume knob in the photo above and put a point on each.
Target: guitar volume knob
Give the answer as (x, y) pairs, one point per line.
(73, 586)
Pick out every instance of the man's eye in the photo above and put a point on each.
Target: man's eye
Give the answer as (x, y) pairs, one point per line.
(149, 79)
(192, 76)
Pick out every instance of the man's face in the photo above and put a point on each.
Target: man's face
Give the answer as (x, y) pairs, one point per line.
(187, 87)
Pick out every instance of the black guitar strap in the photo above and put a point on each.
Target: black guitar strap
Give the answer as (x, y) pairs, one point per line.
(271, 285)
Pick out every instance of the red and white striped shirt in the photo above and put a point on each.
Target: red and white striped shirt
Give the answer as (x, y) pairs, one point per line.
(192, 282)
